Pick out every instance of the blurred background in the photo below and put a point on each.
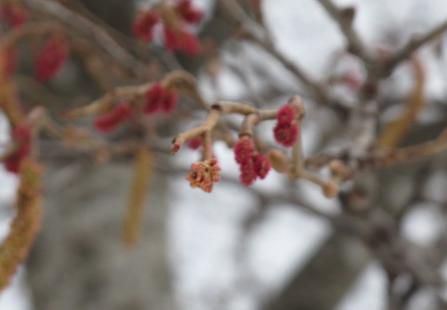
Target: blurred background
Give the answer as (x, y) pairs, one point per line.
(244, 248)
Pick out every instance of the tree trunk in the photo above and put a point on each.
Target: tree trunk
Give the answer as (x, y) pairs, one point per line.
(79, 261)
(324, 281)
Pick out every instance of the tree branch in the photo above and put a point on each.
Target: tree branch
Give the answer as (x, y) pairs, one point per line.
(413, 45)
(355, 44)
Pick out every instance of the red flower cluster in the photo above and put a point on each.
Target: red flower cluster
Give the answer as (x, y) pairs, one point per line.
(21, 135)
(51, 58)
(176, 36)
(204, 174)
(143, 27)
(261, 165)
(13, 15)
(181, 40)
(188, 12)
(286, 130)
(195, 143)
(251, 163)
(159, 99)
(111, 120)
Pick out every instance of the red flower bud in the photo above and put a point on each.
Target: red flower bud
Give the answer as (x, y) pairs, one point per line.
(286, 134)
(154, 95)
(244, 149)
(171, 39)
(286, 130)
(21, 136)
(159, 99)
(251, 164)
(51, 58)
(111, 120)
(14, 15)
(182, 41)
(188, 12)
(195, 143)
(189, 43)
(144, 24)
(261, 165)
(286, 114)
(175, 147)
(248, 174)
(169, 101)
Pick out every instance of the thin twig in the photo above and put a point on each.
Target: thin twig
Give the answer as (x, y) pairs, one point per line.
(355, 44)
(208, 125)
(316, 89)
(413, 45)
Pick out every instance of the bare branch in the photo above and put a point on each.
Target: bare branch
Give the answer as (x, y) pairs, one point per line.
(355, 44)
(259, 35)
(413, 45)
(316, 89)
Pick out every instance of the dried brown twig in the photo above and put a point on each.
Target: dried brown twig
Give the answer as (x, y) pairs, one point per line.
(412, 46)
(344, 20)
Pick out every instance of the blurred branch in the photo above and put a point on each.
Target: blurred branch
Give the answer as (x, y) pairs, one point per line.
(88, 28)
(143, 51)
(393, 133)
(413, 45)
(344, 19)
(259, 35)
(23, 230)
(316, 89)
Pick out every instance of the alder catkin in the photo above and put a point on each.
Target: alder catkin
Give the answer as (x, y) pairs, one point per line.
(138, 196)
(26, 224)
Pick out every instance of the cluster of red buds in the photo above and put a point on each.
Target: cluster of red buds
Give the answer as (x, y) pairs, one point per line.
(252, 164)
(112, 119)
(144, 24)
(287, 128)
(13, 15)
(189, 12)
(195, 143)
(21, 135)
(175, 20)
(157, 98)
(51, 58)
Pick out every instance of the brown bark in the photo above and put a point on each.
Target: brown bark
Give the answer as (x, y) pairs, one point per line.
(325, 279)
(79, 261)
